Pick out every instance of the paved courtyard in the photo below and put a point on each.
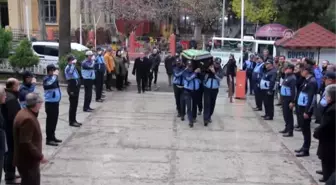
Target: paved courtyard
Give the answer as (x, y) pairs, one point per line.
(136, 139)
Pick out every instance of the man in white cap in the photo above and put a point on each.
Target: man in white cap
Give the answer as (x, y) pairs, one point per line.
(88, 74)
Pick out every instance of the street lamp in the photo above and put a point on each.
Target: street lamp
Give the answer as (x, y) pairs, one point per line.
(241, 34)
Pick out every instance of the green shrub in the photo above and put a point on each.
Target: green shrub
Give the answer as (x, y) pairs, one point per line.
(5, 42)
(24, 56)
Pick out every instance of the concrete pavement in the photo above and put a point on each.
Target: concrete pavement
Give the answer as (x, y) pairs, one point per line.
(137, 139)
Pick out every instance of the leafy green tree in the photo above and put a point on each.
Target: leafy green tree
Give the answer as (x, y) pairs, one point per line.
(5, 42)
(24, 56)
(256, 11)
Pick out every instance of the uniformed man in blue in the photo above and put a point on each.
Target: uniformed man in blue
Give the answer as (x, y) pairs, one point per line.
(249, 65)
(74, 83)
(178, 71)
(89, 76)
(52, 97)
(267, 86)
(191, 86)
(288, 94)
(28, 86)
(100, 71)
(211, 84)
(306, 97)
(257, 74)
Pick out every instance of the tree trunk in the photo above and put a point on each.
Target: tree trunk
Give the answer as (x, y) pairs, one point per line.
(198, 32)
(42, 31)
(64, 28)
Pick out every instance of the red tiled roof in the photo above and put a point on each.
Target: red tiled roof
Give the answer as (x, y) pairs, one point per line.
(310, 36)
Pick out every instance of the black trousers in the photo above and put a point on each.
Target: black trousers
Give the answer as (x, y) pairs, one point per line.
(99, 81)
(190, 101)
(155, 71)
(119, 82)
(268, 103)
(287, 115)
(52, 111)
(88, 84)
(73, 99)
(108, 82)
(178, 93)
(305, 127)
(141, 82)
(210, 97)
(328, 167)
(126, 78)
(150, 79)
(9, 167)
(199, 98)
(2, 161)
(30, 175)
(258, 95)
(249, 84)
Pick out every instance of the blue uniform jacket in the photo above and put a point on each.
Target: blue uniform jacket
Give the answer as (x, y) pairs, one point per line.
(288, 88)
(190, 80)
(100, 64)
(88, 71)
(178, 76)
(212, 81)
(71, 72)
(52, 91)
(307, 95)
(268, 80)
(258, 72)
(24, 90)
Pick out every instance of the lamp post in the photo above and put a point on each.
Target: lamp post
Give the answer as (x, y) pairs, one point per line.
(223, 19)
(27, 19)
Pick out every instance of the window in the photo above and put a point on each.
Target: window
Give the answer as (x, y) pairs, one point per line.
(46, 50)
(50, 11)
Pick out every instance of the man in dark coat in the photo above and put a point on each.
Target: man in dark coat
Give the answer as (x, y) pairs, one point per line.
(169, 68)
(3, 145)
(141, 70)
(325, 133)
(9, 111)
(28, 141)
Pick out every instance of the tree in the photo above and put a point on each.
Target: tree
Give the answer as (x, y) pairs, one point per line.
(24, 56)
(5, 42)
(296, 14)
(202, 12)
(256, 11)
(329, 20)
(41, 15)
(64, 28)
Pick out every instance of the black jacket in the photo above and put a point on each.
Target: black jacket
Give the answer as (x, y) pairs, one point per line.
(169, 64)
(141, 66)
(231, 68)
(290, 82)
(309, 87)
(270, 76)
(155, 60)
(325, 133)
(10, 108)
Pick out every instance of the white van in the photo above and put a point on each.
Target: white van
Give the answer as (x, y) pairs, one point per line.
(48, 51)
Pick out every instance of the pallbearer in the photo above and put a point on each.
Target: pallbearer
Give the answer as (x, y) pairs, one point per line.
(212, 79)
(288, 95)
(191, 86)
(178, 87)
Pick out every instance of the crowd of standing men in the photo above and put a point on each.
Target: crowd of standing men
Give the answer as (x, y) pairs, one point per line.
(299, 87)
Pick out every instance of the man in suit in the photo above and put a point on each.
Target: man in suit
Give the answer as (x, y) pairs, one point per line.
(141, 69)
(28, 141)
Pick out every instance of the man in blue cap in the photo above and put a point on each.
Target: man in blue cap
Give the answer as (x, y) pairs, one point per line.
(267, 85)
(100, 71)
(178, 71)
(257, 74)
(74, 83)
(212, 80)
(305, 102)
(288, 94)
(28, 86)
(52, 97)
